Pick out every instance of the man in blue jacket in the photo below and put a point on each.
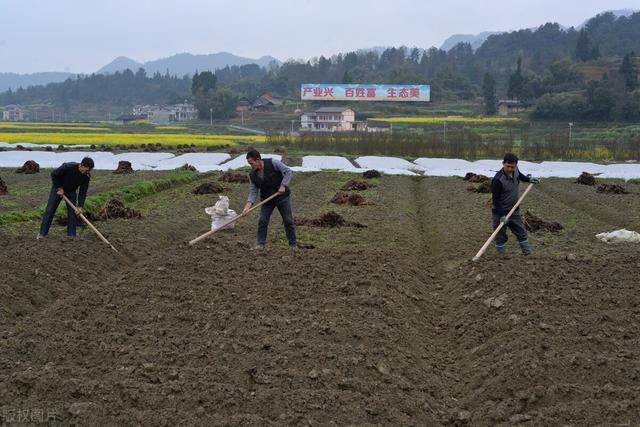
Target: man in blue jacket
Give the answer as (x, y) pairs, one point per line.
(270, 176)
(505, 190)
(66, 180)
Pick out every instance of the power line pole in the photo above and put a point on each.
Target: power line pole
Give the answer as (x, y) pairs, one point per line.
(570, 126)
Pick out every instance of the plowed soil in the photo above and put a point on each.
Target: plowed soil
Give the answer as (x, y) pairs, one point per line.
(484, 187)
(231, 176)
(586, 178)
(385, 325)
(354, 185)
(351, 199)
(115, 208)
(371, 174)
(3, 188)
(208, 188)
(29, 167)
(533, 224)
(124, 167)
(611, 189)
(472, 177)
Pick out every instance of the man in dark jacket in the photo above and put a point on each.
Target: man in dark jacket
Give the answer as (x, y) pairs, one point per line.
(66, 180)
(270, 176)
(505, 190)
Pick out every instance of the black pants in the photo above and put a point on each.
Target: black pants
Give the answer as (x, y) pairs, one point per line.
(284, 207)
(50, 211)
(515, 225)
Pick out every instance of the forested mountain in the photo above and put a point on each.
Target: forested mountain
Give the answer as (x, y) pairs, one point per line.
(548, 63)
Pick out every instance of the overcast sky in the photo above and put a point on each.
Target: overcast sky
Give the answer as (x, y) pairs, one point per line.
(84, 35)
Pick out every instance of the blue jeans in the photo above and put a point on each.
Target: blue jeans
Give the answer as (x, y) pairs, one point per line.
(50, 211)
(284, 207)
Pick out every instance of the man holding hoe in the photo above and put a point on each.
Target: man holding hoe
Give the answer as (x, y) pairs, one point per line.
(505, 191)
(66, 180)
(270, 176)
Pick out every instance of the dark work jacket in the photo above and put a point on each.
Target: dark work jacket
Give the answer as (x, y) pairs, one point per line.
(69, 178)
(269, 183)
(505, 191)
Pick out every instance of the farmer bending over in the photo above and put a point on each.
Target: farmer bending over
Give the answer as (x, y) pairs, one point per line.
(66, 179)
(504, 187)
(270, 176)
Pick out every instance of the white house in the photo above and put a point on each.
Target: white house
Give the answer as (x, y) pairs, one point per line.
(163, 114)
(160, 116)
(13, 113)
(329, 119)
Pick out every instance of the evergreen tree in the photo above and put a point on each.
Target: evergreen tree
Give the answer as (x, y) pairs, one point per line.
(629, 73)
(584, 50)
(489, 94)
(516, 82)
(203, 82)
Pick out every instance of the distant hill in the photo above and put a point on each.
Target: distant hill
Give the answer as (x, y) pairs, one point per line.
(119, 64)
(13, 80)
(475, 40)
(184, 63)
(617, 13)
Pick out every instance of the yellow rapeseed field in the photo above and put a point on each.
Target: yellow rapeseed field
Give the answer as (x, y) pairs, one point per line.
(125, 138)
(453, 119)
(74, 127)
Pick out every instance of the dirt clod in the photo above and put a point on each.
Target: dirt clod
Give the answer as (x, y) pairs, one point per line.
(353, 199)
(208, 188)
(533, 224)
(231, 176)
(371, 174)
(3, 188)
(29, 167)
(484, 187)
(328, 220)
(124, 167)
(611, 189)
(472, 177)
(115, 208)
(354, 185)
(79, 222)
(586, 178)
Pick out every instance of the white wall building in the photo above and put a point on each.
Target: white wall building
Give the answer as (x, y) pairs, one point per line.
(329, 119)
(13, 113)
(163, 114)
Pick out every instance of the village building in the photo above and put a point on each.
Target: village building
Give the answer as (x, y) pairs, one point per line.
(13, 113)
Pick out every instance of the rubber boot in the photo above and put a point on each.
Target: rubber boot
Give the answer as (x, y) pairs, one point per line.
(526, 247)
(501, 249)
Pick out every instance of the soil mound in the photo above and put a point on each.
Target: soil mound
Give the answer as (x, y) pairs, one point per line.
(484, 187)
(586, 178)
(208, 188)
(115, 208)
(79, 222)
(29, 167)
(353, 199)
(472, 177)
(328, 220)
(611, 189)
(3, 188)
(187, 167)
(354, 185)
(371, 174)
(124, 167)
(231, 176)
(533, 224)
